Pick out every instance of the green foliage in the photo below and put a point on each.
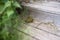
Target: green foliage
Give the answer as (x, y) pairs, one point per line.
(8, 19)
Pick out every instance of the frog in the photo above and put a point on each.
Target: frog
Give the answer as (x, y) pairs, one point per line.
(29, 19)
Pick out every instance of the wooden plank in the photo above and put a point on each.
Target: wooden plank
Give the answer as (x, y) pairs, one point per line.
(40, 35)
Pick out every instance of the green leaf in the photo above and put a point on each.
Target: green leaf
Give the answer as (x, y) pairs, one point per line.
(16, 4)
(9, 12)
(7, 4)
(3, 1)
(5, 33)
(3, 7)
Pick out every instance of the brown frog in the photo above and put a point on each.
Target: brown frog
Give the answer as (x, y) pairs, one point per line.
(29, 1)
(29, 19)
(26, 1)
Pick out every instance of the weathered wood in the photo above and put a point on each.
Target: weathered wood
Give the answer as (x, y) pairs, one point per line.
(43, 27)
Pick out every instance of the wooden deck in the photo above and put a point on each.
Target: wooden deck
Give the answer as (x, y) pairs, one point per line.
(39, 30)
(43, 27)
